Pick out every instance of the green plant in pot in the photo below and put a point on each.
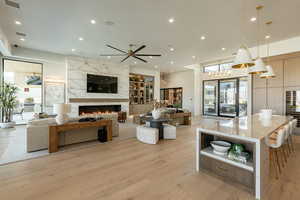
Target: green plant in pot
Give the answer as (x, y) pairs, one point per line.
(8, 102)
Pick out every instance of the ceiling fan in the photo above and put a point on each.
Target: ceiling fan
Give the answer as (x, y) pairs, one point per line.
(131, 53)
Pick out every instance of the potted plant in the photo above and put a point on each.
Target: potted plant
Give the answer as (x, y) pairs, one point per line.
(8, 101)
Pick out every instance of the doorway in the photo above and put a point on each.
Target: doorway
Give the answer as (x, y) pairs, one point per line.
(27, 77)
(225, 97)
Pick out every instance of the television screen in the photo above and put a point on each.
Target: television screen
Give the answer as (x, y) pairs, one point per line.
(102, 84)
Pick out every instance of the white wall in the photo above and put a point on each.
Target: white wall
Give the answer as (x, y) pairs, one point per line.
(150, 72)
(4, 44)
(184, 79)
(197, 92)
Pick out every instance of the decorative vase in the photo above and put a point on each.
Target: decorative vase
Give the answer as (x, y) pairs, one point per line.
(266, 113)
(7, 125)
(156, 114)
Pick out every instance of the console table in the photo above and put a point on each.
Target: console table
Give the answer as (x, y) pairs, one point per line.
(55, 130)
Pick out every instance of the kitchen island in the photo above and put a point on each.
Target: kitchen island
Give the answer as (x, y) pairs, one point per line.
(249, 131)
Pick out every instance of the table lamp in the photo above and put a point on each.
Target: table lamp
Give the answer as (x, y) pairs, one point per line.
(61, 110)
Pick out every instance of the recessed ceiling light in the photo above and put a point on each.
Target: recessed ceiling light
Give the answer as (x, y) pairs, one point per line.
(108, 57)
(203, 37)
(193, 57)
(172, 49)
(253, 19)
(171, 20)
(93, 21)
(22, 39)
(18, 23)
(73, 50)
(172, 62)
(135, 62)
(268, 37)
(155, 66)
(80, 38)
(223, 49)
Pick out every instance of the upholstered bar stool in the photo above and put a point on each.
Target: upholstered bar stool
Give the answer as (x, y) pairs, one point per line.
(292, 131)
(275, 146)
(287, 147)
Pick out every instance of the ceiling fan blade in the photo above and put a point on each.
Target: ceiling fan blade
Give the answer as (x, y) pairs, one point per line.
(116, 48)
(140, 59)
(125, 58)
(143, 46)
(147, 55)
(113, 54)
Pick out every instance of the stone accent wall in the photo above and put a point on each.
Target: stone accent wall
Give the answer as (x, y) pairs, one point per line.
(77, 70)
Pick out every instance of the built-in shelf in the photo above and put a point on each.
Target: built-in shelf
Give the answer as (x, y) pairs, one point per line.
(141, 89)
(209, 152)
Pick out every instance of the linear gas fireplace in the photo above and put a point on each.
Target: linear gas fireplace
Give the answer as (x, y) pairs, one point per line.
(99, 109)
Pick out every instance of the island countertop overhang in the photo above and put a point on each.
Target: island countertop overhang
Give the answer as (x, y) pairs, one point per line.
(251, 128)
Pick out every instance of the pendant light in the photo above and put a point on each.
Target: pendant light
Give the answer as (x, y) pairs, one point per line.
(259, 66)
(243, 57)
(270, 73)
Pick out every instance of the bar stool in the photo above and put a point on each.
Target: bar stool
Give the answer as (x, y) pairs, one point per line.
(275, 146)
(286, 146)
(293, 125)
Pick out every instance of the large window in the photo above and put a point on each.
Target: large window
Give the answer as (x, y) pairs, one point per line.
(218, 67)
(227, 97)
(27, 77)
(211, 68)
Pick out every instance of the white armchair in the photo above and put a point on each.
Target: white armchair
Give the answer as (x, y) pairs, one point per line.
(147, 135)
(169, 131)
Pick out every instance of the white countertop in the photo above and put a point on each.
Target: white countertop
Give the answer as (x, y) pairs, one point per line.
(250, 128)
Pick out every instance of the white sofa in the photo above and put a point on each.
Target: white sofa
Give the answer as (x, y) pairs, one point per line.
(37, 133)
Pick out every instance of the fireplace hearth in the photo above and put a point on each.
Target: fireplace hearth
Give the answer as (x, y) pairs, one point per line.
(99, 109)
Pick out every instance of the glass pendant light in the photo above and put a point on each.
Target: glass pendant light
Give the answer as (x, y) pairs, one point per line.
(270, 73)
(259, 66)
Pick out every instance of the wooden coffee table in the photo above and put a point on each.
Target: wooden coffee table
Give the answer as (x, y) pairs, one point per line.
(56, 129)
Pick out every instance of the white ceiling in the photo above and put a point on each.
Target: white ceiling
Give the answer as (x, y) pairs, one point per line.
(56, 25)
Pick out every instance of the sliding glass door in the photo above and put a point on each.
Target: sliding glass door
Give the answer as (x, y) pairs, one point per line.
(226, 97)
(210, 93)
(228, 94)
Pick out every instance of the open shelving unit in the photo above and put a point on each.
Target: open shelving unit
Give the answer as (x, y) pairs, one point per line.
(171, 96)
(141, 89)
(209, 152)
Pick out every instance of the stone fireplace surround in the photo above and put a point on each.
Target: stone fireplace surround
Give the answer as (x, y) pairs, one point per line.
(77, 69)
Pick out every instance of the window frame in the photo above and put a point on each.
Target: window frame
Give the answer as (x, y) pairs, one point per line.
(219, 67)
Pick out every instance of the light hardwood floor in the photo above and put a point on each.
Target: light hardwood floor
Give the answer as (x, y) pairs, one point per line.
(131, 170)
